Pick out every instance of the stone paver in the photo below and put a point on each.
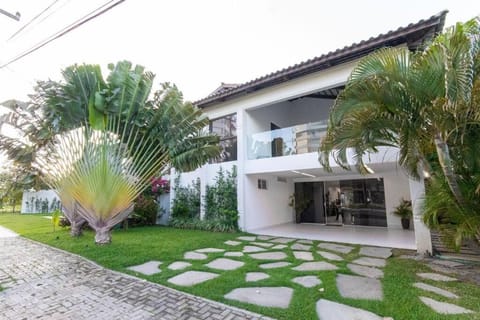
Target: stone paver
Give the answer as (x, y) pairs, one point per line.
(440, 291)
(282, 240)
(209, 250)
(275, 265)
(264, 238)
(44, 283)
(330, 256)
(371, 262)
(303, 255)
(376, 252)
(329, 310)
(336, 247)
(278, 297)
(225, 264)
(301, 247)
(369, 272)
(279, 246)
(232, 243)
(304, 241)
(443, 307)
(247, 238)
(262, 244)
(191, 278)
(276, 255)
(435, 277)
(307, 281)
(315, 266)
(255, 276)
(148, 268)
(359, 287)
(191, 255)
(233, 254)
(179, 265)
(250, 249)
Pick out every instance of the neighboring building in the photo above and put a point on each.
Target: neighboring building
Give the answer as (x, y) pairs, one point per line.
(271, 127)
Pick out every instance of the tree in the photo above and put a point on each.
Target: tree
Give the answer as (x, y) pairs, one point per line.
(425, 103)
(12, 184)
(121, 140)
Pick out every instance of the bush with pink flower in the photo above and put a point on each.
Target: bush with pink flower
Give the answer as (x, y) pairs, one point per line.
(160, 185)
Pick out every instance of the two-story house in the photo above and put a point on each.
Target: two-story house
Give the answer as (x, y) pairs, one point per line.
(271, 128)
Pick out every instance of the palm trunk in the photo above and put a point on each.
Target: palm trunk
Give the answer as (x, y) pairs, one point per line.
(76, 228)
(103, 235)
(447, 168)
(103, 227)
(76, 221)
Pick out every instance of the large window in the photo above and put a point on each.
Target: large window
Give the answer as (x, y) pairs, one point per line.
(226, 128)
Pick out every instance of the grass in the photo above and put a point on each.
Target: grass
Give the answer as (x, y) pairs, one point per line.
(138, 245)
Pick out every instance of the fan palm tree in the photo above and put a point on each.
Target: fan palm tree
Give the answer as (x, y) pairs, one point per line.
(121, 140)
(425, 103)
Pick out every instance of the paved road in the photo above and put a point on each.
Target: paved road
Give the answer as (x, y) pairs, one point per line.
(44, 283)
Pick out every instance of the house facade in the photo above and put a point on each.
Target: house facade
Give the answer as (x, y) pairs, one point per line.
(271, 129)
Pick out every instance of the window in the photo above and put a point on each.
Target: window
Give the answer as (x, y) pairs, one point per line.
(226, 129)
(262, 184)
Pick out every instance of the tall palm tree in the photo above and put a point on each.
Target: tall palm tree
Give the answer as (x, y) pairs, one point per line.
(425, 103)
(121, 140)
(412, 100)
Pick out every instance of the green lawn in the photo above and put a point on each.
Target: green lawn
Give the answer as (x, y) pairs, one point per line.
(138, 245)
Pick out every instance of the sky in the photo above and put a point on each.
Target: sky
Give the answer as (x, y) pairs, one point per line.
(198, 44)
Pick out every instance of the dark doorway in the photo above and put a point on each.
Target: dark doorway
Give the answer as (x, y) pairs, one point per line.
(277, 143)
(309, 202)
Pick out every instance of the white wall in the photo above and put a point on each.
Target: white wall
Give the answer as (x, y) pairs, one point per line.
(267, 207)
(396, 185)
(49, 195)
(206, 174)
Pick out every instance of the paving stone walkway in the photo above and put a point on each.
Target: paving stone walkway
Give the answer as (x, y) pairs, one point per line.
(43, 283)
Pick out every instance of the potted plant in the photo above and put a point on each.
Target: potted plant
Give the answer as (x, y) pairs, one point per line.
(299, 205)
(404, 211)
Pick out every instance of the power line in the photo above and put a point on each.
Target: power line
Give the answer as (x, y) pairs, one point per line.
(31, 20)
(65, 30)
(15, 16)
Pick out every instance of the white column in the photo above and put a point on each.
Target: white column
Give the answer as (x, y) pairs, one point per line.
(203, 190)
(423, 238)
(241, 157)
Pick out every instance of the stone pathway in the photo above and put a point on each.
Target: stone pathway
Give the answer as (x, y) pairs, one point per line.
(439, 306)
(364, 286)
(43, 283)
(96, 293)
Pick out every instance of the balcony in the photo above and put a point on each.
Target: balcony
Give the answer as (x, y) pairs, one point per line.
(303, 138)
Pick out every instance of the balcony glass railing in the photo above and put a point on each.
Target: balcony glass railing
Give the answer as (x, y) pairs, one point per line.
(303, 138)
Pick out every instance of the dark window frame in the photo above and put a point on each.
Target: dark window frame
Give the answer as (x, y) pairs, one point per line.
(224, 157)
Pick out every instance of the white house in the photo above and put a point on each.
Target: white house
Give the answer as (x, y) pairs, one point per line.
(270, 128)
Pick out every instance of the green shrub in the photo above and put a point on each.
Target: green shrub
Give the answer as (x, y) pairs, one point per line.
(186, 204)
(144, 212)
(221, 199)
(456, 222)
(195, 223)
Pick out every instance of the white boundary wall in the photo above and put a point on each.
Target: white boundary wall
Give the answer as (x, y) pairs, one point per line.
(32, 200)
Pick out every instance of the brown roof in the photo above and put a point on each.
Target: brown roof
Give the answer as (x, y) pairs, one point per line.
(414, 35)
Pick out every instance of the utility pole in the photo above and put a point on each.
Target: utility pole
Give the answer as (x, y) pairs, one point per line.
(15, 16)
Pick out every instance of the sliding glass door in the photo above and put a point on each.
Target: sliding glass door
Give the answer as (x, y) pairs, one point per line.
(342, 202)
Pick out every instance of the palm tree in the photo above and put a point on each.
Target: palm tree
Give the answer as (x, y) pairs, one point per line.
(425, 103)
(121, 140)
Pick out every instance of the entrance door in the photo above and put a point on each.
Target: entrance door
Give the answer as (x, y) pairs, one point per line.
(333, 209)
(310, 202)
